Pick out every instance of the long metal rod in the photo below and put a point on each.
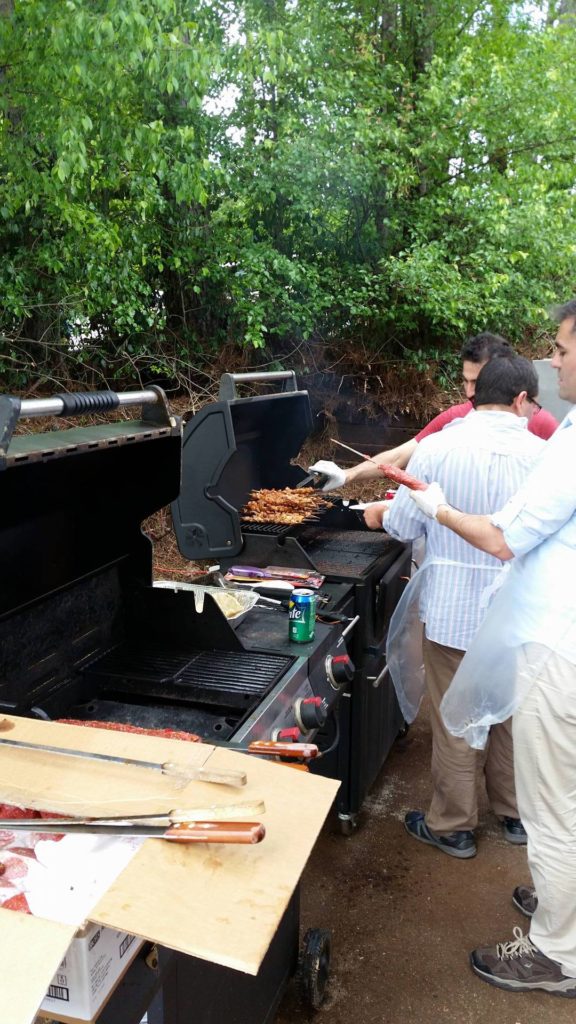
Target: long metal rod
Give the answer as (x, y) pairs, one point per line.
(354, 452)
(183, 772)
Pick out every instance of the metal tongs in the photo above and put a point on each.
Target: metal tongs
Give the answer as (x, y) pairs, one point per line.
(213, 824)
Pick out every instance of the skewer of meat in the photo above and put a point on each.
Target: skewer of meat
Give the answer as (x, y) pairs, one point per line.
(399, 476)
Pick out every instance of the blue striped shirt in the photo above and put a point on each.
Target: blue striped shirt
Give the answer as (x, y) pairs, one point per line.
(480, 462)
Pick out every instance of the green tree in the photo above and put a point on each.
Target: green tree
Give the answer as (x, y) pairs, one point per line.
(177, 176)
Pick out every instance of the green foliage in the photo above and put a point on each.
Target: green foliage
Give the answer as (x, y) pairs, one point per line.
(181, 175)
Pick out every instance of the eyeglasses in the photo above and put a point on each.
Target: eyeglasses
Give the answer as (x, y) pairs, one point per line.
(536, 405)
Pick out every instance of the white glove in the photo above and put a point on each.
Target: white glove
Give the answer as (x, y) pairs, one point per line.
(336, 476)
(430, 500)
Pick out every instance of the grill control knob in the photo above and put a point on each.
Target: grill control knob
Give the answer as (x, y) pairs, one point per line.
(339, 670)
(310, 713)
(292, 734)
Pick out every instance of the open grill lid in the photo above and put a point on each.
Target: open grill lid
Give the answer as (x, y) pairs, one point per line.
(72, 501)
(231, 447)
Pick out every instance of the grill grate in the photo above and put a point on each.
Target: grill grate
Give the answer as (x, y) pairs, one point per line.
(344, 552)
(196, 674)
(266, 529)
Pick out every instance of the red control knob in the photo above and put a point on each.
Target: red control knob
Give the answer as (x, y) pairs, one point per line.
(340, 670)
(310, 713)
(289, 734)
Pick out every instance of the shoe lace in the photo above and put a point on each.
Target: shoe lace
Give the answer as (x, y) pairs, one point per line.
(517, 946)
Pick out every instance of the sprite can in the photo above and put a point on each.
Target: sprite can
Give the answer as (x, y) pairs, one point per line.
(301, 616)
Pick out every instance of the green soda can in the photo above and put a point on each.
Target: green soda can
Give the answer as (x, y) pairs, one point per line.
(302, 616)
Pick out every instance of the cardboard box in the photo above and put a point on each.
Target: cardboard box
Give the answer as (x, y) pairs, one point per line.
(95, 961)
(221, 903)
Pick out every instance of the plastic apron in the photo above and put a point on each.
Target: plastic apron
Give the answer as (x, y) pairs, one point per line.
(406, 632)
(499, 667)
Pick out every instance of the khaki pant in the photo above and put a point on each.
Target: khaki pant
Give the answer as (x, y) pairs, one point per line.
(545, 761)
(455, 765)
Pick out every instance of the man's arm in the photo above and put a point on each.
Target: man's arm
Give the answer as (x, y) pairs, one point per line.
(477, 530)
(399, 456)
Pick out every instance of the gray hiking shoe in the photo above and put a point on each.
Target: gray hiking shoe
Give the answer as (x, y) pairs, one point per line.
(525, 899)
(520, 967)
(514, 831)
(457, 844)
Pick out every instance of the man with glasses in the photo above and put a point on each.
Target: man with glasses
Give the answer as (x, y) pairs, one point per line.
(481, 460)
(475, 354)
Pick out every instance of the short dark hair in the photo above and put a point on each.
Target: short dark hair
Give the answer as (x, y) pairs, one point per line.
(485, 346)
(503, 378)
(565, 312)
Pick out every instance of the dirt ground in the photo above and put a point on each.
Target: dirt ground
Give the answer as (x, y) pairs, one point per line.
(404, 916)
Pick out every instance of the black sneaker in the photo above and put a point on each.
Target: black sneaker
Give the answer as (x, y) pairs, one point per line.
(514, 831)
(456, 844)
(520, 967)
(525, 899)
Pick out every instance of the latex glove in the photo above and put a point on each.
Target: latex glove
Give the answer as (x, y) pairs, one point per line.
(430, 500)
(336, 476)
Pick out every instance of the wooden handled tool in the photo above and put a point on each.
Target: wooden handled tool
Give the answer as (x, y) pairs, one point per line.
(276, 748)
(213, 812)
(248, 832)
(183, 772)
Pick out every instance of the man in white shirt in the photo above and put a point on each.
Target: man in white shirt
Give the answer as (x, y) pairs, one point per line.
(529, 638)
(481, 460)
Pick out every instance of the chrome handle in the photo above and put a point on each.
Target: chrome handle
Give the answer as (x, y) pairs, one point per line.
(377, 680)
(228, 381)
(349, 627)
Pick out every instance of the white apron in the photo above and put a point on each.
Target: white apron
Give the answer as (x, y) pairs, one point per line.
(499, 667)
(405, 634)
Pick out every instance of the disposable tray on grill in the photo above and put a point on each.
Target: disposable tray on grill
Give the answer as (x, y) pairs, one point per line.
(244, 599)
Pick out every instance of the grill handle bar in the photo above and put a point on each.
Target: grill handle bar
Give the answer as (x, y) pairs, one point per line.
(350, 626)
(228, 381)
(77, 403)
(155, 411)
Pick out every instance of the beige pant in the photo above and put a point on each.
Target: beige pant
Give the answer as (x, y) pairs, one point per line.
(455, 765)
(545, 761)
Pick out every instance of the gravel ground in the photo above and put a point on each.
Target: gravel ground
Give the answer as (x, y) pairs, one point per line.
(404, 916)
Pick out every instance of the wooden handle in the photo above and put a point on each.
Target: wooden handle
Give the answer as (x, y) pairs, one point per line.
(184, 772)
(279, 749)
(247, 832)
(220, 812)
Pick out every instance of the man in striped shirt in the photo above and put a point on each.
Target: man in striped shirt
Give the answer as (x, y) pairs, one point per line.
(480, 461)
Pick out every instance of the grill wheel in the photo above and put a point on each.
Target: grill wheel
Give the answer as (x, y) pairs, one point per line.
(314, 967)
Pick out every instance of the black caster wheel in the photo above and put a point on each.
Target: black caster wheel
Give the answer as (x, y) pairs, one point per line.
(314, 967)
(348, 824)
(403, 731)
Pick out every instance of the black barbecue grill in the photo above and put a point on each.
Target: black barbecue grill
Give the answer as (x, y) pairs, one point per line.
(85, 635)
(237, 445)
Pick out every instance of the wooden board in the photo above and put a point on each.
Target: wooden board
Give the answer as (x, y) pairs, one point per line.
(76, 786)
(224, 903)
(218, 903)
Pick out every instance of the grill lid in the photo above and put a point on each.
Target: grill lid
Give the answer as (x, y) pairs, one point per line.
(229, 448)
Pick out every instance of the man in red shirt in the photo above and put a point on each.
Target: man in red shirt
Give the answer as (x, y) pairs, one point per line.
(476, 352)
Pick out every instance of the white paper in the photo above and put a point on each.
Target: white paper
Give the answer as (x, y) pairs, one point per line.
(67, 878)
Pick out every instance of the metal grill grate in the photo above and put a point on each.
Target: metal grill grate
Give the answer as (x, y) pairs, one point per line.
(220, 672)
(344, 553)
